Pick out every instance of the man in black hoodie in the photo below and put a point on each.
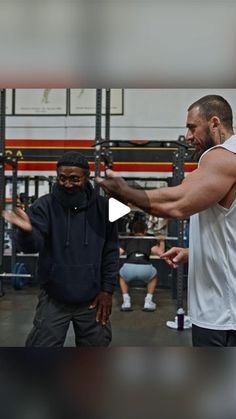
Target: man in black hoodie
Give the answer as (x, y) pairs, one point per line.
(78, 257)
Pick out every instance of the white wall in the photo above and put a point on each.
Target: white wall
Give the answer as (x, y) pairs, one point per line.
(148, 114)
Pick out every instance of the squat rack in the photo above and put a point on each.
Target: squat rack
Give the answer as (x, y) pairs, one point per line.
(12, 160)
(2, 183)
(103, 152)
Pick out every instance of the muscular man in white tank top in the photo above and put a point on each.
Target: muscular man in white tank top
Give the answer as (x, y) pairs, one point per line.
(208, 196)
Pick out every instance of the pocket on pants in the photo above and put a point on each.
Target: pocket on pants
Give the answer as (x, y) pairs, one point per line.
(102, 337)
(40, 318)
(105, 335)
(92, 333)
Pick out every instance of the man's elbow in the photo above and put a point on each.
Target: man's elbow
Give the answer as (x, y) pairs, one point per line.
(179, 210)
(172, 209)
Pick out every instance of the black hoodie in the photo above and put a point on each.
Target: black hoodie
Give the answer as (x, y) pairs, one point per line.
(78, 247)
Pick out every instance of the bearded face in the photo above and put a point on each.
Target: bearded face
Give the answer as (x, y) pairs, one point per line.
(199, 134)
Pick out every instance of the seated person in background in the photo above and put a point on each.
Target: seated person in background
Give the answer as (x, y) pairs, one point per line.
(138, 266)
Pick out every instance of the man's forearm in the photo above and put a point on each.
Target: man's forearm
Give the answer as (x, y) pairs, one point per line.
(29, 242)
(108, 286)
(162, 202)
(137, 197)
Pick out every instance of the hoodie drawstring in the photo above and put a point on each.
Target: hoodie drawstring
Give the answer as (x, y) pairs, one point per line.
(85, 229)
(68, 228)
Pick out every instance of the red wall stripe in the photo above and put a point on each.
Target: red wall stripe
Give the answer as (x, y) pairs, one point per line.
(124, 167)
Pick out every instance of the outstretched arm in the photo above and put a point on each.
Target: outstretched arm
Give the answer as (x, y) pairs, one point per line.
(201, 189)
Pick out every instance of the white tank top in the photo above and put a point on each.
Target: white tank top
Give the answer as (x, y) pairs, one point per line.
(212, 263)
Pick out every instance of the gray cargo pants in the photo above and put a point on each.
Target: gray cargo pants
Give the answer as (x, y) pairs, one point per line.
(52, 320)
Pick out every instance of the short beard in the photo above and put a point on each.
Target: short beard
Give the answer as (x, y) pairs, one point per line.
(209, 143)
(70, 191)
(70, 198)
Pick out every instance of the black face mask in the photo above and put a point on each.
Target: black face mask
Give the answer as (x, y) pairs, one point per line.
(70, 198)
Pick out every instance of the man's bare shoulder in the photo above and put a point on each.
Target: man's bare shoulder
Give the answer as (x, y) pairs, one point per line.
(218, 162)
(219, 159)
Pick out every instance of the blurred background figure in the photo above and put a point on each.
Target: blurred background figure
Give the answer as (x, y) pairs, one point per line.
(138, 266)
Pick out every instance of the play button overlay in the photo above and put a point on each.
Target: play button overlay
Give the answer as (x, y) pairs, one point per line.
(116, 209)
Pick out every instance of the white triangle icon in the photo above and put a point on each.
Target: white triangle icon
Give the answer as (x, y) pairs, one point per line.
(116, 209)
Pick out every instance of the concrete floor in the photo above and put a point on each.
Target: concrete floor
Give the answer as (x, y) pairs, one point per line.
(136, 328)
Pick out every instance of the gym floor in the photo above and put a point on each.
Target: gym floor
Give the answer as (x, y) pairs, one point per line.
(136, 328)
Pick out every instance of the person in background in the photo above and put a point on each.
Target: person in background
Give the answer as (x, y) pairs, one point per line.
(137, 265)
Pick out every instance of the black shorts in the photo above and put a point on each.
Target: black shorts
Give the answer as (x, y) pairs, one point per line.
(210, 337)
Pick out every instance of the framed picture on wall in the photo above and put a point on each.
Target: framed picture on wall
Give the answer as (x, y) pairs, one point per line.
(40, 102)
(83, 101)
(9, 102)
